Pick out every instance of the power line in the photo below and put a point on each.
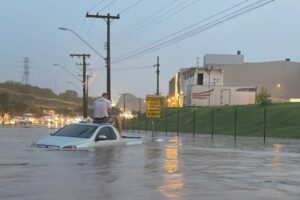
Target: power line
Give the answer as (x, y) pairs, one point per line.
(133, 68)
(191, 26)
(157, 20)
(102, 9)
(117, 69)
(95, 6)
(143, 21)
(131, 6)
(107, 6)
(165, 41)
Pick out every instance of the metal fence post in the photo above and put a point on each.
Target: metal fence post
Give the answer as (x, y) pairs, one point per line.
(265, 123)
(166, 122)
(139, 126)
(125, 128)
(194, 123)
(235, 120)
(177, 122)
(212, 124)
(155, 122)
(146, 125)
(132, 124)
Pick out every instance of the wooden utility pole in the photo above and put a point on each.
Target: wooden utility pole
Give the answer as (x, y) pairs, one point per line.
(157, 76)
(108, 19)
(84, 81)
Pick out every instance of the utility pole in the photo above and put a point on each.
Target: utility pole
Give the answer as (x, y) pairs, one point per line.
(108, 19)
(157, 76)
(84, 85)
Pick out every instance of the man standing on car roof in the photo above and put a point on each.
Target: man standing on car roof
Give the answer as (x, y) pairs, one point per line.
(102, 112)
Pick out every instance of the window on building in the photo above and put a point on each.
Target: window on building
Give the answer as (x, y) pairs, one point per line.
(200, 79)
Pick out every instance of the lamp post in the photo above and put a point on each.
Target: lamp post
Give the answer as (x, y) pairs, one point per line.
(85, 42)
(92, 48)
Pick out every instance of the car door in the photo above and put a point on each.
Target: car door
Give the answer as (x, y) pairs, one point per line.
(109, 133)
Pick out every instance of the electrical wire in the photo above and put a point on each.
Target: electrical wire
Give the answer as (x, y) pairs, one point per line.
(152, 47)
(129, 68)
(108, 5)
(145, 20)
(130, 7)
(191, 26)
(102, 9)
(132, 68)
(157, 21)
(95, 6)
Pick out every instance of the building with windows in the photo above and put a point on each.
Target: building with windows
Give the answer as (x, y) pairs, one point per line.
(203, 86)
(227, 79)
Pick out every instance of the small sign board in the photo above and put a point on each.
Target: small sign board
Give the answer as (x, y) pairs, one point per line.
(153, 106)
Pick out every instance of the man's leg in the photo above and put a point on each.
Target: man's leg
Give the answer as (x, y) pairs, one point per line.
(117, 121)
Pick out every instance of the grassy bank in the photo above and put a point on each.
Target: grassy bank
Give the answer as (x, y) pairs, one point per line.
(275, 120)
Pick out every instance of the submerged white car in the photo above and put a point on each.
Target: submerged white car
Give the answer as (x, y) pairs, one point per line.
(85, 135)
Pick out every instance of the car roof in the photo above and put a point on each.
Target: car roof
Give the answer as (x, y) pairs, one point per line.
(93, 124)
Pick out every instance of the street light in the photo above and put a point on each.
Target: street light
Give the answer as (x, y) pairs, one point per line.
(85, 42)
(84, 86)
(107, 60)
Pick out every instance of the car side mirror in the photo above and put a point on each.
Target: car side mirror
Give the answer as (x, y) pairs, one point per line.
(101, 137)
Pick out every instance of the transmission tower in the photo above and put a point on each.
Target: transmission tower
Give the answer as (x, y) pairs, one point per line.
(25, 78)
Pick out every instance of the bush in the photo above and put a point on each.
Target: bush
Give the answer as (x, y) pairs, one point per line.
(262, 96)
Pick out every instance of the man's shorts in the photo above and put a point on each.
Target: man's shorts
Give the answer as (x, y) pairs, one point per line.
(101, 120)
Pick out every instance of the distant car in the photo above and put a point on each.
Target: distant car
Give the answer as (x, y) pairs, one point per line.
(85, 135)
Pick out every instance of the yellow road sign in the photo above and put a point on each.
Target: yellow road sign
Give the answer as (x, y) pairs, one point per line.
(153, 106)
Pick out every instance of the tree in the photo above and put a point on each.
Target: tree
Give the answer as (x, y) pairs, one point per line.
(4, 104)
(262, 96)
(18, 107)
(69, 95)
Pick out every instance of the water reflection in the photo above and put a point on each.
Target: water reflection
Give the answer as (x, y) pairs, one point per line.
(277, 161)
(173, 178)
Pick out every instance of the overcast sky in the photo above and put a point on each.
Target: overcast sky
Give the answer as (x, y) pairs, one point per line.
(29, 28)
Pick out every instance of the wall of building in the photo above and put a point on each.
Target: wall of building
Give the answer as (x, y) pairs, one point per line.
(221, 95)
(221, 59)
(280, 78)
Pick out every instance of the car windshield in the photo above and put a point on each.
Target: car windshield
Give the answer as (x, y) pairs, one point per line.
(76, 130)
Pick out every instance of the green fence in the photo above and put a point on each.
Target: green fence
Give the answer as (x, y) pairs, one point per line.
(274, 120)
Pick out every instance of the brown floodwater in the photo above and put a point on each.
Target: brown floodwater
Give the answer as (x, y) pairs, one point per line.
(162, 168)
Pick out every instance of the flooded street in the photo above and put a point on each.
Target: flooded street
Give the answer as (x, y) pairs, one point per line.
(162, 168)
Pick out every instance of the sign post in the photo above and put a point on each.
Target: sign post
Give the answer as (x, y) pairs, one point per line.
(153, 108)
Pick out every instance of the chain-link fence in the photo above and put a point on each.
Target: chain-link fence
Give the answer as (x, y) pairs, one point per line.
(274, 120)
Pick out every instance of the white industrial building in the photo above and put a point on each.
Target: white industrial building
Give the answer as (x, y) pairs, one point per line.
(227, 79)
(203, 86)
